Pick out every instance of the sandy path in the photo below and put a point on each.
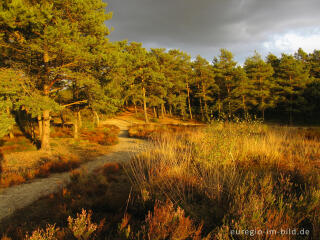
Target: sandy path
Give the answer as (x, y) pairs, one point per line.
(20, 196)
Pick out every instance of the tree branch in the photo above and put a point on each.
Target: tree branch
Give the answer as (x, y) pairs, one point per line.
(75, 103)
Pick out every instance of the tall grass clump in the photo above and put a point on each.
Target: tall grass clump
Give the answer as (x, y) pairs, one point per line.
(236, 176)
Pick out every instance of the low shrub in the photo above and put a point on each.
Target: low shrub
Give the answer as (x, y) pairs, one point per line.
(106, 135)
(54, 164)
(61, 132)
(80, 228)
(10, 179)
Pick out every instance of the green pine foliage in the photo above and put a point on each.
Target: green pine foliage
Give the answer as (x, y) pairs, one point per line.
(259, 73)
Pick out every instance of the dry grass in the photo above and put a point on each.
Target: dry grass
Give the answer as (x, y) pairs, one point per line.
(236, 176)
(149, 130)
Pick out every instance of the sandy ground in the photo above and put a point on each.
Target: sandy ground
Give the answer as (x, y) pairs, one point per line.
(20, 196)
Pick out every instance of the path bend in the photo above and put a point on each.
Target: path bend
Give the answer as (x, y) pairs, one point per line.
(20, 196)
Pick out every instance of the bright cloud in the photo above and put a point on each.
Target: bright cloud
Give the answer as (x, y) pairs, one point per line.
(291, 42)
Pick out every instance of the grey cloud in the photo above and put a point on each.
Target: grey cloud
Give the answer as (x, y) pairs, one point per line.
(204, 26)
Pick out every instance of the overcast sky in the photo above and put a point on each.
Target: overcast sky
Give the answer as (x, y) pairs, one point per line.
(204, 26)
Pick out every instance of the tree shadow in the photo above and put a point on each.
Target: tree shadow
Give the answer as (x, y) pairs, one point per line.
(23, 124)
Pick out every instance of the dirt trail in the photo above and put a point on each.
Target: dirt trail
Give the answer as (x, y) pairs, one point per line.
(18, 197)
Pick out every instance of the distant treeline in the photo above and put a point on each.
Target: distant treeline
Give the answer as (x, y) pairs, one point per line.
(55, 55)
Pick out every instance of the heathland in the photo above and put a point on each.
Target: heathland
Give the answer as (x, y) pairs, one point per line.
(110, 140)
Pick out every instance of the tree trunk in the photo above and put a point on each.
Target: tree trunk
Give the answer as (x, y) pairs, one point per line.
(154, 112)
(244, 106)
(291, 108)
(204, 101)
(11, 135)
(170, 110)
(262, 99)
(33, 133)
(189, 104)
(97, 118)
(135, 108)
(79, 120)
(262, 107)
(162, 110)
(229, 104)
(201, 109)
(45, 138)
(145, 105)
(62, 119)
(206, 109)
(40, 126)
(76, 127)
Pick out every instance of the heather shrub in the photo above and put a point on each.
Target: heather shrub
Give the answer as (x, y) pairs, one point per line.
(166, 222)
(82, 227)
(50, 233)
(107, 135)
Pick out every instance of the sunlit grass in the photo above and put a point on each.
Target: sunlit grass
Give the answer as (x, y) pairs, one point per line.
(236, 176)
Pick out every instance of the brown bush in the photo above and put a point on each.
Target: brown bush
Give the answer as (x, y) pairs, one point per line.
(111, 168)
(10, 179)
(166, 222)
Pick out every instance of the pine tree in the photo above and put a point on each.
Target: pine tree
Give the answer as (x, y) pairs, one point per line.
(145, 73)
(242, 95)
(293, 78)
(9, 94)
(181, 78)
(224, 69)
(314, 61)
(54, 41)
(260, 73)
(204, 78)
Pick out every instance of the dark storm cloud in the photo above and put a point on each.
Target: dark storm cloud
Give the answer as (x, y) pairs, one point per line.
(204, 26)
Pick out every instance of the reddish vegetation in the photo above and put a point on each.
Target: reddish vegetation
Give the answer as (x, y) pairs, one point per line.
(53, 165)
(63, 132)
(11, 179)
(21, 167)
(102, 136)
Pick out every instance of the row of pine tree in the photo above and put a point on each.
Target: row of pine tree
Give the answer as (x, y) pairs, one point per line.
(55, 55)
